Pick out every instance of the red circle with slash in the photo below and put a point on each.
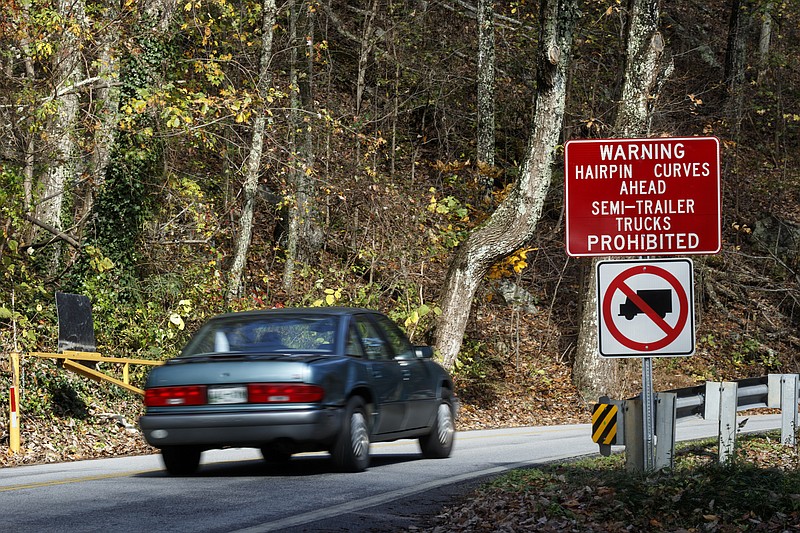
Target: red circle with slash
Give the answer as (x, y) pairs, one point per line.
(671, 333)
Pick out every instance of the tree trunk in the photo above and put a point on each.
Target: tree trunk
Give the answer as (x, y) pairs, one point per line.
(515, 219)
(486, 68)
(61, 171)
(764, 41)
(643, 74)
(363, 55)
(736, 59)
(303, 232)
(253, 164)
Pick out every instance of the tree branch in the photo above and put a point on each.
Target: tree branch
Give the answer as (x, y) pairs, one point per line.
(55, 231)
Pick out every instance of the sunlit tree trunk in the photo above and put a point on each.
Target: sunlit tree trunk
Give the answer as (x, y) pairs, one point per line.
(644, 72)
(253, 163)
(515, 219)
(67, 72)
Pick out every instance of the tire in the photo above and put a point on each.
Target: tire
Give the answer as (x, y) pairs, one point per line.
(350, 452)
(438, 444)
(181, 460)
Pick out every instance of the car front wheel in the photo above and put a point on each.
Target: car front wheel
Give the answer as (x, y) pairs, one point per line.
(181, 460)
(350, 452)
(438, 444)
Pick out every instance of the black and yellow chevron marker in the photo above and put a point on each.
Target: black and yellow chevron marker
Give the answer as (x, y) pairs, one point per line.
(604, 423)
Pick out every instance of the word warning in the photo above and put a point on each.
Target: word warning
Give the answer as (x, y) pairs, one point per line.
(657, 196)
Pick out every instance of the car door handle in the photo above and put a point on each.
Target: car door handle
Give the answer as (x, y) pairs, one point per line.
(377, 374)
(406, 375)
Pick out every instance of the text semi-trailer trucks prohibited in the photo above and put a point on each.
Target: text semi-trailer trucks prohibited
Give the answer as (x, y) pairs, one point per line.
(657, 196)
(645, 308)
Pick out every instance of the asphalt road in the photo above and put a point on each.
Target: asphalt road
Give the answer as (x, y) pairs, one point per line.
(235, 491)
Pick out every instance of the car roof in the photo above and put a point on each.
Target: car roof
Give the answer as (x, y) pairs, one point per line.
(287, 311)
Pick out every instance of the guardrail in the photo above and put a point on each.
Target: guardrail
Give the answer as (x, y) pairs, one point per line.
(720, 401)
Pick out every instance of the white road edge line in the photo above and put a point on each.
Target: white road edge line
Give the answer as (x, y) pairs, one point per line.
(379, 499)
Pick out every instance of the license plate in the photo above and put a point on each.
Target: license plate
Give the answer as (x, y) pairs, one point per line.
(233, 394)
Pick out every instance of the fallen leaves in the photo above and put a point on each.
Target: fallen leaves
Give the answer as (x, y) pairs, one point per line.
(598, 495)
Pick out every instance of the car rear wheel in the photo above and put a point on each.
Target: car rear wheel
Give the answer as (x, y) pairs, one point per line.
(181, 460)
(350, 452)
(438, 444)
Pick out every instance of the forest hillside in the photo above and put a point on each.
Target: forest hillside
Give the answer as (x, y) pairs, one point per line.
(172, 161)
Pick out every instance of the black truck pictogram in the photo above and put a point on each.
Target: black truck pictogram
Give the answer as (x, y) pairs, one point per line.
(659, 300)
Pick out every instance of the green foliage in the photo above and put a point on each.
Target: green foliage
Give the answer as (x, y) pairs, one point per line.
(449, 221)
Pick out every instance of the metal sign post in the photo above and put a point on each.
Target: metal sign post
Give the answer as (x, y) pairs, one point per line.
(648, 417)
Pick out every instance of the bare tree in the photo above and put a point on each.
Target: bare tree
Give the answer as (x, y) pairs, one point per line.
(304, 235)
(740, 24)
(515, 219)
(644, 72)
(367, 42)
(486, 68)
(253, 163)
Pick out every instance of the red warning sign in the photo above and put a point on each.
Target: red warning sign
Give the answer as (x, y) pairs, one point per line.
(657, 196)
(645, 308)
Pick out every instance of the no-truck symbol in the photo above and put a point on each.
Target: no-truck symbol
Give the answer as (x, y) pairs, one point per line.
(645, 308)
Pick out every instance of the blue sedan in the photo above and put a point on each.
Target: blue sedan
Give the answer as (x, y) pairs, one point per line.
(293, 380)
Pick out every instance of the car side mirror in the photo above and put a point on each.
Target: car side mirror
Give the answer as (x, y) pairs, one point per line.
(424, 352)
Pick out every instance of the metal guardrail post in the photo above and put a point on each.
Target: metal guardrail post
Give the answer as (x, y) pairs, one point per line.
(711, 405)
(634, 436)
(774, 394)
(789, 400)
(727, 420)
(665, 430)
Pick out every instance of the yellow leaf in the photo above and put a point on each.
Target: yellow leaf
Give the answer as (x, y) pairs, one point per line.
(176, 319)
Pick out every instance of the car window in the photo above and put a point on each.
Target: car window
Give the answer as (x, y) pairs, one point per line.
(354, 348)
(374, 345)
(397, 339)
(263, 333)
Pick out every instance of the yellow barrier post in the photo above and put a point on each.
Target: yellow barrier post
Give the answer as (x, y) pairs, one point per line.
(13, 430)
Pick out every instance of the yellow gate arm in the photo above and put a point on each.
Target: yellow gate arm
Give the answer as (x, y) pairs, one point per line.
(70, 362)
(71, 359)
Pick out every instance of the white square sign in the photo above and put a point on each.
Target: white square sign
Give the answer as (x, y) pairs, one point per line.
(645, 308)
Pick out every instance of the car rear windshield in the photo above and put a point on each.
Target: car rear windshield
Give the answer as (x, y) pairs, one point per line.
(268, 334)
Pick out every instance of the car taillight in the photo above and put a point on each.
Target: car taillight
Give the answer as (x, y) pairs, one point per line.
(284, 393)
(172, 396)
